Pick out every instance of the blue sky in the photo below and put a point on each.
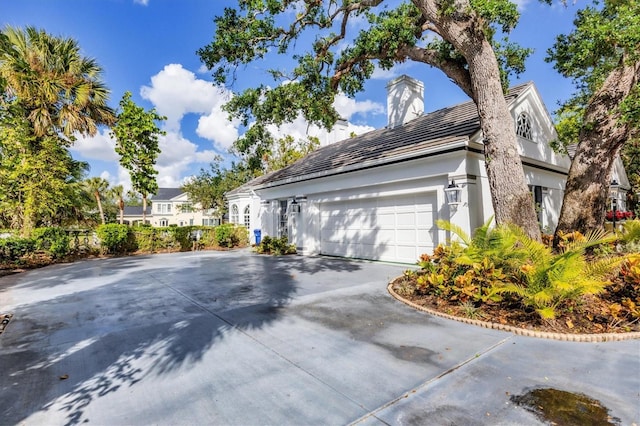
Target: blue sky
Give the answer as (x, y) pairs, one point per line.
(148, 47)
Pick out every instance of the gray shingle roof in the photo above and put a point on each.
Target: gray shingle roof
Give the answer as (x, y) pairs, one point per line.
(438, 128)
(167, 193)
(135, 210)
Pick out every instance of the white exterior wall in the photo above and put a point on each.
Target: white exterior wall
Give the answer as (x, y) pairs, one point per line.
(411, 177)
(242, 201)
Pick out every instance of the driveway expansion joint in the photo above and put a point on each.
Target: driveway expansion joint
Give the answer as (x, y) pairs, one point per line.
(589, 338)
(448, 371)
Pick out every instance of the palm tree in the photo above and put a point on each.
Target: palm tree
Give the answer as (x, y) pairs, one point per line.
(60, 91)
(117, 192)
(51, 93)
(97, 186)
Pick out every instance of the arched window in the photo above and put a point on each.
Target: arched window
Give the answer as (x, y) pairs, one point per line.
(235, 216)
(247, 217)
(523, 126)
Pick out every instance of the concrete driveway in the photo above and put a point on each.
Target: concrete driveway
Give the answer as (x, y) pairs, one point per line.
(240, 339)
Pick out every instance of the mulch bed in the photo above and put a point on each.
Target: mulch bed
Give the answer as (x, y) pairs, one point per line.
(588, 316)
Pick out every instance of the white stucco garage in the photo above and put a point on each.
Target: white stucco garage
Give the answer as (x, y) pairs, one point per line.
(378, 195)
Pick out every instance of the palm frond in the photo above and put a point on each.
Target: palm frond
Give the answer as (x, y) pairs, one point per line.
(482, 234)
(454, 229)
(602, 268)
(594, 237)
(630, 231)
(547, 312)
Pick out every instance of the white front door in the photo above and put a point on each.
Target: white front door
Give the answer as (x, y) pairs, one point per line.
(393, 228)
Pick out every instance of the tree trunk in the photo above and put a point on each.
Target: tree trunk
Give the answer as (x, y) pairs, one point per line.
(144, 209)
(99, 201)
(121, 208)
(599, 143)
(510, 196)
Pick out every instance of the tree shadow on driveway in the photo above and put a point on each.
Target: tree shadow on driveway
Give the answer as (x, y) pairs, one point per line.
(95, 327)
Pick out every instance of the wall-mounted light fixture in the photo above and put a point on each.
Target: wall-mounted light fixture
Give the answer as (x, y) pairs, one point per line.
(294, 207)
(453, 193)
(614, 187)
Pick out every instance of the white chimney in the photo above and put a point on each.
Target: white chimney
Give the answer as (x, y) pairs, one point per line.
(405, 100)
(337, 133)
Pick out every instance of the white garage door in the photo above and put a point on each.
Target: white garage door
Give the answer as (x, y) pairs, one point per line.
(396, 229)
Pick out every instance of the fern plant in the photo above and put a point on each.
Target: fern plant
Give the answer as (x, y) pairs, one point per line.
(497, 245)
(504, 260)
(548, 280)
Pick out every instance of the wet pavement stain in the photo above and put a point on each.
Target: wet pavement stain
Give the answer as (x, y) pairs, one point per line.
(565, 408)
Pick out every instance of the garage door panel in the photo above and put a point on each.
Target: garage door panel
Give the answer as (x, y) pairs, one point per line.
(405, 236)
(406, 219)
(386, 220)
(398, 228)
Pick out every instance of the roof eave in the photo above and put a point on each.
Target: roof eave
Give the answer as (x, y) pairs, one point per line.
(457, 141)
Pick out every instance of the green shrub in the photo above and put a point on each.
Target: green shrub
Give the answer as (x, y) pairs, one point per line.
(226, 235)
(504, 262)
(146, 238)
(180, 237)
(208, 236)
(275, 246)
(54, 241)
(14, 248)
(115, 238)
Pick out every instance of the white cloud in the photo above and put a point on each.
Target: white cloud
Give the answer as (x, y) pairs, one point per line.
(177, 155)
(175, 91)
(215, 127)
(97, 147)
(300, 129)
(142, 2)
(347, 106)
(522, 4)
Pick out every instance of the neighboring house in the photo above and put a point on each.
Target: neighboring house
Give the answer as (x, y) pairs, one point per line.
(171, 206)
(378, 195)
(133, 215)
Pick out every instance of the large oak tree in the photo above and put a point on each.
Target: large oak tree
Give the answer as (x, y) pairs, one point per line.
(459, 37)
(602, 55)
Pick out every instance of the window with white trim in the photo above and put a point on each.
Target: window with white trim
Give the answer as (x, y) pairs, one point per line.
(164, 222)
(163, 208)
(523, 126)
(283, 225)
(247, 217)
(235, 215)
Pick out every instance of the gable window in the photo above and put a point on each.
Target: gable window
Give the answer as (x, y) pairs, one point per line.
(235, 215)
(247, 217)
(523, 126)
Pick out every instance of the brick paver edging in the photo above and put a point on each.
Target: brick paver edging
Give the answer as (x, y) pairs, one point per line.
(600, 337)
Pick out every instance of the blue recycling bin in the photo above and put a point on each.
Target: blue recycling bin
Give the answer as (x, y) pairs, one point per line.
(258, 235)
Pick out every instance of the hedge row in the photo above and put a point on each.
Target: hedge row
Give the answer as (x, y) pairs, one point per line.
(56, 243)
